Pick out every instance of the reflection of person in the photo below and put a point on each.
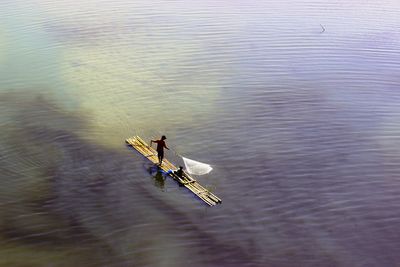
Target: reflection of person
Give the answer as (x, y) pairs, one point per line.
(160, 148)
(159, 180)
(158, 175)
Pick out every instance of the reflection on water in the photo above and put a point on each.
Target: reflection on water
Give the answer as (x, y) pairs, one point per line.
(158, 176)
(300, 126)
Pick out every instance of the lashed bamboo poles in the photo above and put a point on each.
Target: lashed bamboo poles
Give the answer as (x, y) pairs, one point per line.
(186, 180)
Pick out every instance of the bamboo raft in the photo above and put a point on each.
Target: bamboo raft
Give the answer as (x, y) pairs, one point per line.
(186, 180)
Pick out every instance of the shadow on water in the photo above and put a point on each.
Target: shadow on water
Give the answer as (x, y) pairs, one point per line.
(67, 201)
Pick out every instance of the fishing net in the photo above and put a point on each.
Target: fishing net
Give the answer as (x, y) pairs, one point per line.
(195, 167)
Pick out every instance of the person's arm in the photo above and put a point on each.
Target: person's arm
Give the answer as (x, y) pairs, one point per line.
(165, 145)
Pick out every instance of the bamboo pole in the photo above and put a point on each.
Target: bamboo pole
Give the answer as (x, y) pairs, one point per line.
(201, 190)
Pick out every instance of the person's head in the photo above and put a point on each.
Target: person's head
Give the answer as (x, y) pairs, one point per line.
(163, 137)
(180, 167)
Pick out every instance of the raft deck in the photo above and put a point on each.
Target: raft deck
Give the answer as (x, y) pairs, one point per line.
(186, 180)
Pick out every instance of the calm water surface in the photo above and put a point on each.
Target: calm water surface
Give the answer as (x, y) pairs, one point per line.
(295, 104)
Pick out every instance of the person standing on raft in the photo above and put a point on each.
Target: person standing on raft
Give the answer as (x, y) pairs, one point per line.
(160, 147)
